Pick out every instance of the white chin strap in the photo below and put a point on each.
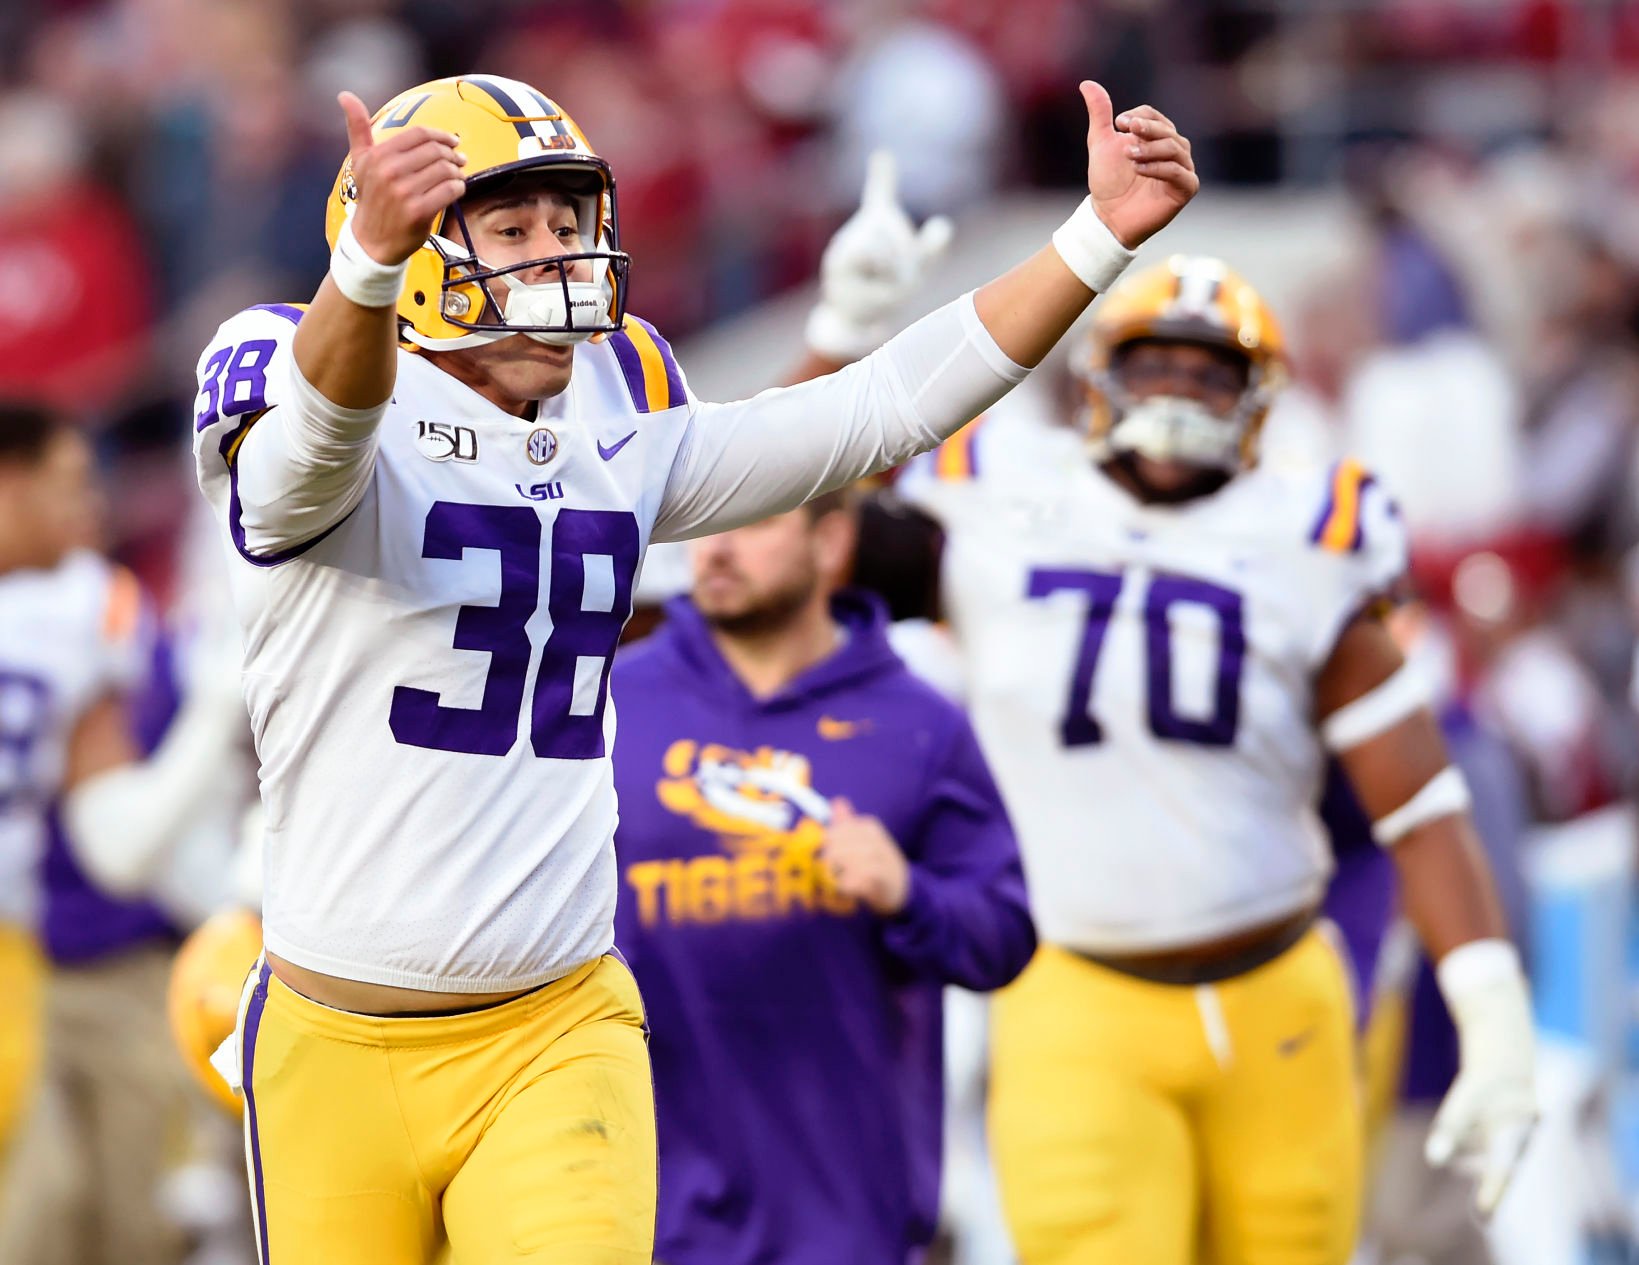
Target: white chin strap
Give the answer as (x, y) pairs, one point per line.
(533, 305)
(544, 305)
(1173, 428)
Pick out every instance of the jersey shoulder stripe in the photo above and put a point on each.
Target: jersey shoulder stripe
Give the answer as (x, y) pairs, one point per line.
(292, 312)
(1339, 527)
(957, 459)
(649, 367)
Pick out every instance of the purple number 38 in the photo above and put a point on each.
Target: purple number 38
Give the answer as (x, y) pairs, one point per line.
(593, 559)
(1079, 728)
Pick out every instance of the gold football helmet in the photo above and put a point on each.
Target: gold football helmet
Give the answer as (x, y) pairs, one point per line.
(202, 1000)
(1193, 299)
(451, 298)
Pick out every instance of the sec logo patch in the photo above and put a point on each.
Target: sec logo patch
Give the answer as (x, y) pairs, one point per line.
(542, 446)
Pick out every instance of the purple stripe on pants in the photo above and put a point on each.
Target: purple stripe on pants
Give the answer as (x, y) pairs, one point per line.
(253, 1022)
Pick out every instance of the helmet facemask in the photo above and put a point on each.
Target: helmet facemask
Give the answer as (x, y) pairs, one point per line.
(493, 302)
(1178, 428)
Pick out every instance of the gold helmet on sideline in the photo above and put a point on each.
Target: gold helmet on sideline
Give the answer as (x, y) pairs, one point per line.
(450, 297)
(207, 979)
(1193, 299)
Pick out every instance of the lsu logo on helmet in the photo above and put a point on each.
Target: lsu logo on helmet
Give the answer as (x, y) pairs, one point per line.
(202, 999)
(1190, 299)
(451, 297)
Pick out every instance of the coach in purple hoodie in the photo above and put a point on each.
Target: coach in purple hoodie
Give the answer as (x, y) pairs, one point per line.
(810, 847)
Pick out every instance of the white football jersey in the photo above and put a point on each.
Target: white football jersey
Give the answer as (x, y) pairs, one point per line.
(68, 637)
(427, 676)
(1141, 677)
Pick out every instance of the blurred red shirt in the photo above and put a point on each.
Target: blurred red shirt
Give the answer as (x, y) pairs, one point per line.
(75, 299)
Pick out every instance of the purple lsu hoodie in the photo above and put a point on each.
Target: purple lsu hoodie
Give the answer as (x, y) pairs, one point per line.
(797, 1037)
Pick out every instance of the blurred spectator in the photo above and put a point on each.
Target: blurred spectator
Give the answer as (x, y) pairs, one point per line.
(930, 97)
(75, 292)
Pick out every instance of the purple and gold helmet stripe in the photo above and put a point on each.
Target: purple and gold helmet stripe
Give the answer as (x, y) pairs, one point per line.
(511, 109)
(647, 364)
(549, 122)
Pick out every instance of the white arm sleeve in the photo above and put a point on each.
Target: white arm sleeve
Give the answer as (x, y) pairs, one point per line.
(744, 461)
(303, 466)
(123, 823)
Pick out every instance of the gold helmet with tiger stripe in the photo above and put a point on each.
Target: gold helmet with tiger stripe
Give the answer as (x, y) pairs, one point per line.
(452, 298)
(1192, 299)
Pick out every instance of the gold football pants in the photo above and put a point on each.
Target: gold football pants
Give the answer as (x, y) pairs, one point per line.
(22, 1026)
(520, 1132)
(1174, 1125)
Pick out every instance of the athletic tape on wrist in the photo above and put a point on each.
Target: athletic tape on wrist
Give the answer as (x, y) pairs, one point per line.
(1443, 794)
(1090, 250)
(361, 278)
(1474, 967)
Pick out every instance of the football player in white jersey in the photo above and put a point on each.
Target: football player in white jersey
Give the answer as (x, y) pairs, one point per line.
(1164, 641)
(69, 650)
(438, 481)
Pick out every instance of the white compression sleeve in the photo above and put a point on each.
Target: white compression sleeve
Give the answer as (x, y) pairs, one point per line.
(122, 823)
(303, 467)
(747, 460)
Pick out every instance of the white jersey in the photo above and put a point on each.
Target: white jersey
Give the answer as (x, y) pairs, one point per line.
(1141, 677)
(68, 637)
(427, 668)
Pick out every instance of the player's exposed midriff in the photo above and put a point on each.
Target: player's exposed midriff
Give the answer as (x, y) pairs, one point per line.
(378, 999)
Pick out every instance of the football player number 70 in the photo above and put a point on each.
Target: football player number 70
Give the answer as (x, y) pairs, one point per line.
(594, 556)
(1078, 727)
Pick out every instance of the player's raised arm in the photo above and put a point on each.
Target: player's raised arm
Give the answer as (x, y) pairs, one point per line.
(347, 344)
(945, 369)
(1139, 175)
(310, 399)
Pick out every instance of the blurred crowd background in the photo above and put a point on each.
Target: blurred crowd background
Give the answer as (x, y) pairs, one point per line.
(1457, 180)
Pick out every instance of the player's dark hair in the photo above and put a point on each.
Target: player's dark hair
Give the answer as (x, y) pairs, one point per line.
(26, 431)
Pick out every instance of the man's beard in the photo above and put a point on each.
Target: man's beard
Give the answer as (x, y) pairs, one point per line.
(768, 614)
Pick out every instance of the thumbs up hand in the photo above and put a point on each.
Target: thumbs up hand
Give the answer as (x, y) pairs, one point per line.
(403, 182)
(1139, 170)
(872, 264)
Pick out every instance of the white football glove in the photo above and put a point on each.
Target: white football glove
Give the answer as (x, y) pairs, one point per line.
(1488, 1114)
(870, 267)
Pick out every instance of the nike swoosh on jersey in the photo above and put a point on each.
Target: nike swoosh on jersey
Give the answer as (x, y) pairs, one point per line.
(836, 730)
(609, 452)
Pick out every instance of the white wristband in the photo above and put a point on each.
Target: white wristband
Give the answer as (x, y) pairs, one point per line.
(1090, 250)
(361, 278)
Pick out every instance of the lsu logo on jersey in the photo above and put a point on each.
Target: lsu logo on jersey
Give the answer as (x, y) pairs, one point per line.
(770, 824)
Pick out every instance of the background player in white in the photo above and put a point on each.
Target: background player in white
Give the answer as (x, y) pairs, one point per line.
(1163, 643)
(437, 545)
(70, 647)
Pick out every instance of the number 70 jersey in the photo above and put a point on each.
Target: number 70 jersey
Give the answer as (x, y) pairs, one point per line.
(1141, 677)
